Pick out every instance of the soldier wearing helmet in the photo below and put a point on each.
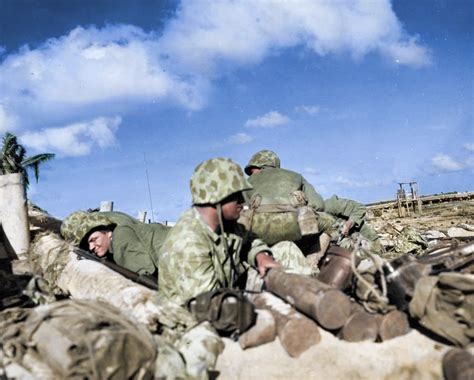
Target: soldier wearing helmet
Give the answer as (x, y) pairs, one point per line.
(262, 159)
(207, 249)
(279, 198)
(277, 201)
(128, 242)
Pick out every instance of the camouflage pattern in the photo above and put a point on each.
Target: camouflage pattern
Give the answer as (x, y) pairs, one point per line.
(410, 241)
(216, 179)
(193, 259)
(263, 158)
(79, 223)
(274, 186)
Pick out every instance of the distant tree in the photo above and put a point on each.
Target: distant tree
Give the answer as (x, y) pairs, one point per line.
(13, 159)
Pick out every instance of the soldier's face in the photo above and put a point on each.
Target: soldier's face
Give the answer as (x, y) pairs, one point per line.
(99, 242)
(232, 206)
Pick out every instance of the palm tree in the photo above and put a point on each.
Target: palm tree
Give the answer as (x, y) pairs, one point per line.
(13, 158)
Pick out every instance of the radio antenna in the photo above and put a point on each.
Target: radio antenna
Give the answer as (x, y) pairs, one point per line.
(149, 191)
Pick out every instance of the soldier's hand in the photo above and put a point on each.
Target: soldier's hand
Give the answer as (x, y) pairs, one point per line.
(264, 263)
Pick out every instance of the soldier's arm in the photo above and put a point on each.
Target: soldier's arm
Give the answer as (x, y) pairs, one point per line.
(129, 252)
(315, 200)
(346, 208)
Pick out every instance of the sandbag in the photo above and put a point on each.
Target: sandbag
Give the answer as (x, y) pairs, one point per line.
(78, 340)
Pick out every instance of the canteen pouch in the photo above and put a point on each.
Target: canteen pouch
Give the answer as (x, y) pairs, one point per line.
(307, 221)
(228, 310)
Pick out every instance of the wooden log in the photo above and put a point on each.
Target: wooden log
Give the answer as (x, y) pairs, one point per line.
(392, 324)
(296, 332)
(264, 330)
(85, 279)
(359, 327)
(329, 307)
(458, 364)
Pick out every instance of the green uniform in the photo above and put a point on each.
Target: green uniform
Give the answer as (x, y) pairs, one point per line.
(120, 218)
(193, 258)
(274, 200)
(136, 246)
(345, 209)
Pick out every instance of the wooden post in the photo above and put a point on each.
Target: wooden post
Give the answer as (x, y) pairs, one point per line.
(329, 307)
(142, 216)
(264, 330)
(360, 326)
(296, 332)
(458, 365)
(392, 324)
(106, 206)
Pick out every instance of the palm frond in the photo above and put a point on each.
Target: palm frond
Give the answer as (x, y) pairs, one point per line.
(13, 158)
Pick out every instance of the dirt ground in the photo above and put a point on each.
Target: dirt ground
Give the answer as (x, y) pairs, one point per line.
(438, 217)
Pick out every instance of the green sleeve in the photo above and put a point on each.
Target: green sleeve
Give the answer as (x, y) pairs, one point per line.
(129, 251)
(346, 209)
(315, 200)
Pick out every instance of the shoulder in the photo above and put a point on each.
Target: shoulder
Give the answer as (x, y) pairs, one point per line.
(188, 231)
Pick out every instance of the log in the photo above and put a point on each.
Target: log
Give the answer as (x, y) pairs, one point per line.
(296, 332)
(329, 307)
(264, 330)
(91, 280)
(458, 364)
(85, 279)
(392, 324)
(359, 327)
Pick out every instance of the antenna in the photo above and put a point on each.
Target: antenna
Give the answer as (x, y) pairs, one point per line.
(149, 191)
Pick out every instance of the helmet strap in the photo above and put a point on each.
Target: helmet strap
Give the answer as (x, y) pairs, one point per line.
(233, 271)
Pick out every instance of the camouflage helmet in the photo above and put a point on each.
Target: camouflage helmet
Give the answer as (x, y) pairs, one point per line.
(215, 179)
(261, 159)
(77, 225)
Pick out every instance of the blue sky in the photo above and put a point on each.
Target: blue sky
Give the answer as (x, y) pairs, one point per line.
(355, 95)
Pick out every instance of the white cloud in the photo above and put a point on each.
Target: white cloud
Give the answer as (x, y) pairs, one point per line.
(240, 138)
(269, 120)
(407, 53)
(247, 31)
(469, 147)
(89, 70)
(311, 110)
(76, 139)
(446, 163)
(7, 122)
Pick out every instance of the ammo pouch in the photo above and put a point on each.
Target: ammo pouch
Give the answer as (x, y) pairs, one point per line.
(228, 310)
